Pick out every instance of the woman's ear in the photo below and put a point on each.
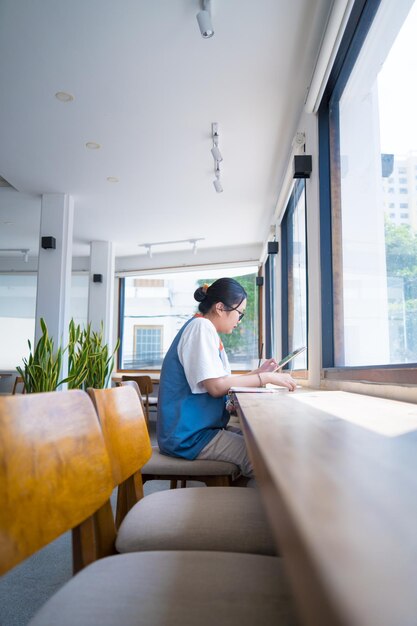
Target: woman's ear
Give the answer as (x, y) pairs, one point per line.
(219, 306)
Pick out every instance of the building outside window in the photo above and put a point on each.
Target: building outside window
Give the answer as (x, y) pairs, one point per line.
(155, 307)
(148, 344)
(376, 298)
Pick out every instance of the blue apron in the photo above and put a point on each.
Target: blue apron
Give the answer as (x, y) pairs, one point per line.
(186, 421)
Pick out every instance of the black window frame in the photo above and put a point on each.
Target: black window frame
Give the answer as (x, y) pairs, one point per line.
(359, 23)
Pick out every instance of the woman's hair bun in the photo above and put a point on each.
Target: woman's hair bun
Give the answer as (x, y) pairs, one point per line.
(200, 294)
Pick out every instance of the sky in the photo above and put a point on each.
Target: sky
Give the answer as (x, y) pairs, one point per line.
(397, 88)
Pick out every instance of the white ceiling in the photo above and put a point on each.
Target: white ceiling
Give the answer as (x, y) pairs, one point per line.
(147, 87)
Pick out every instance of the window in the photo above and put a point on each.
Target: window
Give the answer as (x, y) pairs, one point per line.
(18, 309)
(147, 347)
(404, 205)
(294, 276)
(402, 181)
(155, 307)
(371, 108)
(391, 205)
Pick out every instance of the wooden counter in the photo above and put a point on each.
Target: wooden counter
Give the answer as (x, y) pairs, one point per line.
(338, 474)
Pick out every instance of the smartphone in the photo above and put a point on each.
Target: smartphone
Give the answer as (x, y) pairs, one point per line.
(289, 357)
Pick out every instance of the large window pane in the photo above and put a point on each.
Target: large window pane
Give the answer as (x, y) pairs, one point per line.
(295, 276)
(17, 313)
(376, 271)
(156, 306)
(17, 318)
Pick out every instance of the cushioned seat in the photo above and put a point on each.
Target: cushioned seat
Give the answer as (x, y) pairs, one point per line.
(217, 518)
(163, 465)
(222, 518)
(175, 589)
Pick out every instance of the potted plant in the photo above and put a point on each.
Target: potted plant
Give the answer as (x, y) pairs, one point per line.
(90, 362)
(42, 369)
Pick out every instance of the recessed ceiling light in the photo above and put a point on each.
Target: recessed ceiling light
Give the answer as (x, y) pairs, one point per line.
(92, 145)
(112, 179)
(63, 96)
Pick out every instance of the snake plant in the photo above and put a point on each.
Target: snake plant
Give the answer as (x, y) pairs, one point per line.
(42, 369)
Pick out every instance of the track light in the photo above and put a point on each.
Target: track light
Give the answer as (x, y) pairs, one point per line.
(217, 185)
(204, 20)
(24, 251)
(149, 246)
(215, 136)
(217, 156)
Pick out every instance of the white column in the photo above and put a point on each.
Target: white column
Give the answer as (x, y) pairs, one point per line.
(101, 294)
(54, 267)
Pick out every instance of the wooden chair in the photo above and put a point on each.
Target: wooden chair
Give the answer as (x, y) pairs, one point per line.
(51, 448)
(55, 475)
(134, 384)
(146, 388)
(163, 467)
(219, 518)
(18, 382)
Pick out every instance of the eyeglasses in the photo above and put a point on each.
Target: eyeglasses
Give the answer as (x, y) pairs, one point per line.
(235, 308)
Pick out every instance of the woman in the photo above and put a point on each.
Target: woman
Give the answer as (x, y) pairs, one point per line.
(195, 378)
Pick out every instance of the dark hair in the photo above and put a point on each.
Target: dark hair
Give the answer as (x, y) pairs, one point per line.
(226, 290)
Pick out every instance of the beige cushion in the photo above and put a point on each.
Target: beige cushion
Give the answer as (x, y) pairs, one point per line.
(229, 519)
(162, 465)
(174, 589)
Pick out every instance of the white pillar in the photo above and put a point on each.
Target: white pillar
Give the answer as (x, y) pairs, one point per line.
(54, 268)
(101, 294)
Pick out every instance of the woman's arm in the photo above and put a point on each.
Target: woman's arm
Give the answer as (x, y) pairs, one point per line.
(218, 387)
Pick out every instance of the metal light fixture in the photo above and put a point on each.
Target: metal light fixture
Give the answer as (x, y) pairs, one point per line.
(204, 20)
(217, 185)
(24, 251)
(216, 156)
(149, 246)
(215, 136)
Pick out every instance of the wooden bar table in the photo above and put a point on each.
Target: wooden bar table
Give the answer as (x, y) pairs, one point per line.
(338, 475)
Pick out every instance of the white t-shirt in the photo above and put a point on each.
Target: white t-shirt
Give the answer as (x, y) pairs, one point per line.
(198, 352)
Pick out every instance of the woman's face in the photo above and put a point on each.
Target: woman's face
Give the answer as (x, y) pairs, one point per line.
(231, 317)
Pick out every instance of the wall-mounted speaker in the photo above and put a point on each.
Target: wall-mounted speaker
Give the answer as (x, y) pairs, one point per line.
(302, 166)
(259, 281)
(97, 278)
(48, 243)
(273, 247)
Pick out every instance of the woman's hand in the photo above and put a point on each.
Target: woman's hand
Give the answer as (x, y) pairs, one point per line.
(283, 380)
(270, 365)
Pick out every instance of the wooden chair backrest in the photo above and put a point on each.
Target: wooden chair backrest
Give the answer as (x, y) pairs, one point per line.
(54, 470)
(124, 428)
(144, 383)
(134, 384)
